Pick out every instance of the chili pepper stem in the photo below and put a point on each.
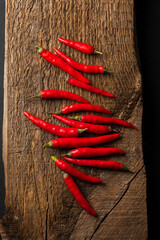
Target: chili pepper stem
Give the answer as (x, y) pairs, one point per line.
(37, 96)
(97, 52)
(49, 144)
(58, 112)
(39, 49)
(50, 113)
(64, 174)
(53, 158)
(82, 130)
(108, 71)
(75, 118)
(124, 168)
(69, 154)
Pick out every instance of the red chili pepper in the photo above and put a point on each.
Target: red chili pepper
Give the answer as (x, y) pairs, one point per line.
(66, 167)
(59, 62)
(87, 152)
(54, 129)
(58, 94)
(103, 120)
(97, 163)
(80, 142)
(82, 107)
(79, 84)
(82, 47)
(78, 195)
(98, 129)
(81, 67)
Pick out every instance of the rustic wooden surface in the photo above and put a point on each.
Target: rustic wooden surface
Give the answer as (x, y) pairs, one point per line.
(38, 203)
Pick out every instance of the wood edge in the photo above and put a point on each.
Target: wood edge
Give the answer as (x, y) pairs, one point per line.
(5, 104)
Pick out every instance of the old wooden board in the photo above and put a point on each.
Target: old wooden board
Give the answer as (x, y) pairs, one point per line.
(38, 203)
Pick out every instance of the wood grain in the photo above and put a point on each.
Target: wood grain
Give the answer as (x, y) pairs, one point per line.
(38, 203)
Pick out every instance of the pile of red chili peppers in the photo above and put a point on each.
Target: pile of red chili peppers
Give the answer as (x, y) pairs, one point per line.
(81, 153)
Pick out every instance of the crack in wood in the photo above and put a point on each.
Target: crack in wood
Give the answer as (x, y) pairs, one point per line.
(120, 198)
(128, 110)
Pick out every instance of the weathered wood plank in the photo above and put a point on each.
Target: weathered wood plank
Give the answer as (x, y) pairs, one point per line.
(38, 204)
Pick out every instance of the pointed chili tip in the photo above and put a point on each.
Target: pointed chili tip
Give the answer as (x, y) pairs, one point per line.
(82, 130)
(111, 95)
(53, 158)
(124, 168)
(26, 114)
(39, 49)
(36, 96)
(132, 126)
(95, 214)
(109, 112)
(49, 145)
(116, 134)
(97, 52)
(100, 180)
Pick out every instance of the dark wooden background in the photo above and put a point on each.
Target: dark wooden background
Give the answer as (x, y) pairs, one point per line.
(38, 204)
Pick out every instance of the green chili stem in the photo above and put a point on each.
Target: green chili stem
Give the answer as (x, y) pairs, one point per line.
(54, 158)
(109, 71)
(49, 144)
(39, 49)
(37, 96)
(97, 52)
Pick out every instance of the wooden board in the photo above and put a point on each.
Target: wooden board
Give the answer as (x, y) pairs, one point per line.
(38, 203)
